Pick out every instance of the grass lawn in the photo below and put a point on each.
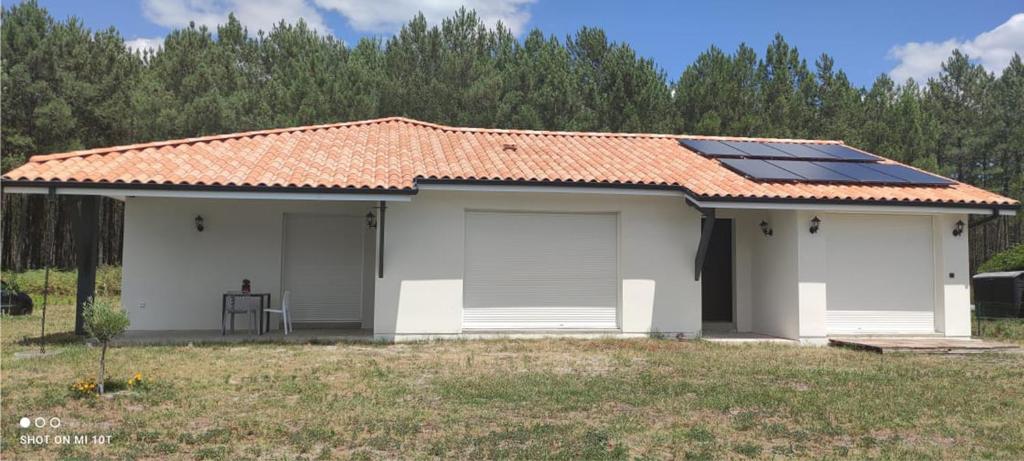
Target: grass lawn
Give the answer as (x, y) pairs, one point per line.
(515, 399)
(1006, 330)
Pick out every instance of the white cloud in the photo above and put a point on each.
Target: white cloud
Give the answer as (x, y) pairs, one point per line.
(390, 15)
(253, 14)
(140, 44)
(992, 49)
(363, 15)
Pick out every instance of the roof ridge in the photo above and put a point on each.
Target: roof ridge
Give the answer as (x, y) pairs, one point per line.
(214, 137)
(606, 133)
(437, 126)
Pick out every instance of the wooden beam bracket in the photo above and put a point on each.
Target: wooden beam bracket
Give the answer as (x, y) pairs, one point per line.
(705, 240)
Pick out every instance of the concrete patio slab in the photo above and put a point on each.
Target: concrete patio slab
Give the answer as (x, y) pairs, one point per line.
(196, 337)
(733, 337)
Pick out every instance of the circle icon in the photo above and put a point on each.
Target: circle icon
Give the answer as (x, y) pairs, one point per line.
(25, 422)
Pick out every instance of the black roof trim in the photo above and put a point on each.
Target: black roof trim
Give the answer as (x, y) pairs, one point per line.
(205, 187)
(907, 203)
(512, 182)
(478, 182)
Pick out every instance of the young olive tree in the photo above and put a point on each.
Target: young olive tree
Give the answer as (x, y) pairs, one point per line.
(104, 322)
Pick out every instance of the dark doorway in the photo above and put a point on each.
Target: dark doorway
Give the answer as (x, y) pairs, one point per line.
(716, 278)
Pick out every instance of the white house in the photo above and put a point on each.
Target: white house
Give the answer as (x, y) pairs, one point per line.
(509, 231)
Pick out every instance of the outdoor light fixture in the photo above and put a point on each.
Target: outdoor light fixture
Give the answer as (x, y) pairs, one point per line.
(958, 228)
(767, 231)
(371, 220)
(815, 224)
(199, 223)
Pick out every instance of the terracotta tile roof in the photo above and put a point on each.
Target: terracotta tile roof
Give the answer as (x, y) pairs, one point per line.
(394, 153)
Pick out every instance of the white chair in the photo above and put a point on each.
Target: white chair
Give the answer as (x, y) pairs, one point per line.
(286, 315)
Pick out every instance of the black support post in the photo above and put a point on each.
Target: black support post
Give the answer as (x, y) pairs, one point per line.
(705, 240)
(86, 227)
(380, 241)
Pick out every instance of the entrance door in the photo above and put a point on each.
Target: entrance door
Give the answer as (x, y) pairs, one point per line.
(716, 278)
(323, 267)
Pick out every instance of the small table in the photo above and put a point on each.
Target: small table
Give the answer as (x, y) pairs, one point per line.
(233, 295)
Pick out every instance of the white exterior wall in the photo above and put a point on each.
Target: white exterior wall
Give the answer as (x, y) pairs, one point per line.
(766, 273)
(812, 279)
(179, 274)
(952, 274)
(421, 292)
(780, 288)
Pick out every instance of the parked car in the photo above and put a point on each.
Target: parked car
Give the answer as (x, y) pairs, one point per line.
(14, 302)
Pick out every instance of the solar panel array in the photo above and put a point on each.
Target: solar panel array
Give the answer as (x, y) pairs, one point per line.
(808, 162)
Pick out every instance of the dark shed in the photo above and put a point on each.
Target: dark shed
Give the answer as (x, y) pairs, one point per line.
(999, 294)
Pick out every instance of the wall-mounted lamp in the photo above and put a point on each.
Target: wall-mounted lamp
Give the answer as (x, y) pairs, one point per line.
(766, 230)
(958, 228)
(199, 223)
(815, 225)
(371, 220)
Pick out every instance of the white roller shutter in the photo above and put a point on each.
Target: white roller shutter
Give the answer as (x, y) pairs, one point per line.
(540, 271)
(323, 267)
(880, 274)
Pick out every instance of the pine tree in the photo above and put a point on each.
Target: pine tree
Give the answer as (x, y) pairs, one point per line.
(718, 94)
(788, 92)
(619, 91)
(540, 91)
(960, 99)
(838, 101)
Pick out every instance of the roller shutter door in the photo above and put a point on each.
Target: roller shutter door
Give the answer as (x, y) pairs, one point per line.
(880, 277)
(323, 267)
(540, 271)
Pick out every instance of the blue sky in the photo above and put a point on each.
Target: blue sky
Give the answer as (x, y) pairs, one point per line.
(866, 38)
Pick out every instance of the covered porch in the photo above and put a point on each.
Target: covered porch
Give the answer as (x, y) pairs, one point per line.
(185, 249)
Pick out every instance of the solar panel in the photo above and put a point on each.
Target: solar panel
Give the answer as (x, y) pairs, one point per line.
(831, 171)
(811, 171)
(791, 161)
(760, 169)
(909, 175)
(843, 152)
(711, 148)
(776, 150)
(757, 149)
(859, 172)
(800, 151)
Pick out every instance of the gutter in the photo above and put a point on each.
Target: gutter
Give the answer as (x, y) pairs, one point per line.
(328, 193)
(199, 187)
(702, 202)
(121, 190)
(867, 206)
(994, 215)
(710, 201)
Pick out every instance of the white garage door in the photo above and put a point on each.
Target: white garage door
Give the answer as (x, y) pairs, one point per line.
(540, 271)
(323, 267)
(880, 274)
